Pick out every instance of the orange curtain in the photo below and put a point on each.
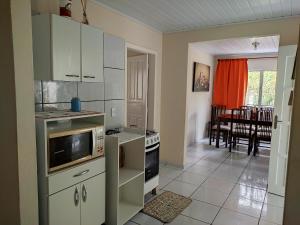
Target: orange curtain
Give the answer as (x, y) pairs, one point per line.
(230, 83)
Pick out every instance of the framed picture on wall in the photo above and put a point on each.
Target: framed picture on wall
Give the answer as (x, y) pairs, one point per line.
(201, 77)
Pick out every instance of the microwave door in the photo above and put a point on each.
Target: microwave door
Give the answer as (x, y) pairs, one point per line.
(67, 150)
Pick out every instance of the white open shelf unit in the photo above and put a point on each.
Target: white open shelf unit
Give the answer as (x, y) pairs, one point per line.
(125, 186)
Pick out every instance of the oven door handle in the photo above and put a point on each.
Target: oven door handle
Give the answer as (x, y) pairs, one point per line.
(153, 148)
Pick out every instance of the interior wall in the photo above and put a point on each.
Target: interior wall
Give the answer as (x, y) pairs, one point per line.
(9, 213)
(198, 103)
(18, 153)
(117, 24)
(174, 79)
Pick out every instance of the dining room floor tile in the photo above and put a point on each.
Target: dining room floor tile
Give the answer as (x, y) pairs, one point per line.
(180, 188)
(210, 195)
(201, 211)
(229, 217)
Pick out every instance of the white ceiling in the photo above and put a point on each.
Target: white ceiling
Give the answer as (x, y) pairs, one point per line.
(239, 46)
(178, 15)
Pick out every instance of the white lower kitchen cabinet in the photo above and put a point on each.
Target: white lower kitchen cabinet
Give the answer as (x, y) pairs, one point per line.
(93, 204)
(64, 207)
(81, 204)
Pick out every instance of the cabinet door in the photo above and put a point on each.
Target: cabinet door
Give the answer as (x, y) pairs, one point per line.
(114, 84)
(114, 52)
(64, 207)
(65, 49)
(91, 54)
(93, 200)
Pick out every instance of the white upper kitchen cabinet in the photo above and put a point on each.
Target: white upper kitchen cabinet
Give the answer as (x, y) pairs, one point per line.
(114, 80)
(114, 52)
(91, 54)
(56, 48)
(65, 50)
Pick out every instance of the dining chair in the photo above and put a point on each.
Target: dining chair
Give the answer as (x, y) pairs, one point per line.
(241, 128)
(263, 128)
(216, 111)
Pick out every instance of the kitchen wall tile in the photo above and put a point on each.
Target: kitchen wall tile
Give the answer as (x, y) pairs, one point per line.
(38, 107)
(114, 83)
(91, 91)
(57, 106)
(96, 106)
(38, 91)
(59, 91)
(114, 110)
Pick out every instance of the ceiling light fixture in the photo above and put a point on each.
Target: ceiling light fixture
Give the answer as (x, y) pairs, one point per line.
(255, 45)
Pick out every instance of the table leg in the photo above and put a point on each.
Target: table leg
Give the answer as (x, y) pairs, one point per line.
(218, 135)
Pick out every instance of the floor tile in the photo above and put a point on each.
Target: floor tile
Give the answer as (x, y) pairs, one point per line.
(144, 219)
(263, 222)
(272, 214)
(181, 188)
(130, 223)
(274, 200)
(210, 195)
(192, 178)
(201, 211)
(163, 181)
(226, 175)
(229, 217)
(244, 205)
(254, 179)
(203, 170)
(183, 220)
(207, 163)
(248, 192)
(219, 184)
(170, 172)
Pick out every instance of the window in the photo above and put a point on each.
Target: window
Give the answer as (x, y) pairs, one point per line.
(261, 88)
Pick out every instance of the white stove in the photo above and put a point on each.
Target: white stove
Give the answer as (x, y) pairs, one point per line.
(152, 138)
(152, 161)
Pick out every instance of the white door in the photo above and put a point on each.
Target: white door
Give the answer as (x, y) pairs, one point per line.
(93, 200)
(137, 85)
(281, 121)
(66, 49)
(64, 207)
(91, 54)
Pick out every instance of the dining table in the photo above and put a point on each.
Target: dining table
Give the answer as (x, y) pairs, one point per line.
(228, 118)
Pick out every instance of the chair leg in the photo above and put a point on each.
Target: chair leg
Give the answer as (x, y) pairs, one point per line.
(230, 142)
(226, 140)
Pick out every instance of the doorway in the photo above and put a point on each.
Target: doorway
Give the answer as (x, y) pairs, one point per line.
(271, 85)
(140, 88)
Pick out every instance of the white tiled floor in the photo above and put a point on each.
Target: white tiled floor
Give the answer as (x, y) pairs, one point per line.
(226, 188)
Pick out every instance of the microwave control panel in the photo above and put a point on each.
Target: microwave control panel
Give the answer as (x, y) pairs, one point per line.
(100, 141)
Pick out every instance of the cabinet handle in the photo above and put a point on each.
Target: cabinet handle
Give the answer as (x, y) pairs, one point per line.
(76, 197)
(72, 75)
(84, 193)
(92, 77)
(81, 173)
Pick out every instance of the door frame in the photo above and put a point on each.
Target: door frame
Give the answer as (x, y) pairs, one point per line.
(156, 111)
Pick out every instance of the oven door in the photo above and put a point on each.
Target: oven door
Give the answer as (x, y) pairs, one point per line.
(70, 149)
(152, 161)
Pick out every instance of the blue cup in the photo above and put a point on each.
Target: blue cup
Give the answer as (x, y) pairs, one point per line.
(75, 105)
